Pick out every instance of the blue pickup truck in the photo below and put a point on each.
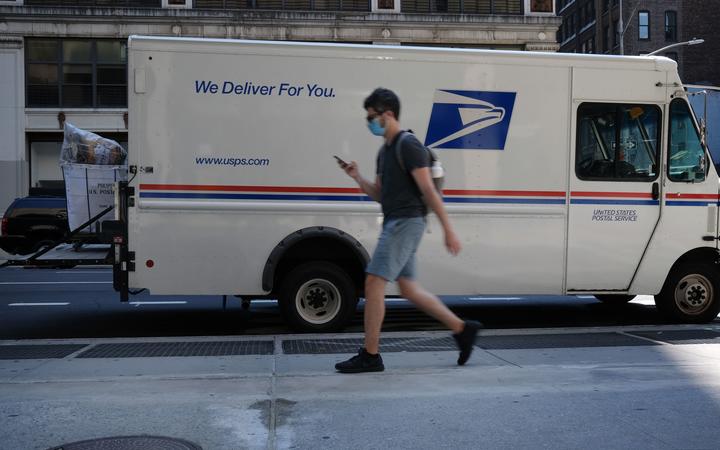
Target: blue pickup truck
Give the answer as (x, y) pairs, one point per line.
(32, 222)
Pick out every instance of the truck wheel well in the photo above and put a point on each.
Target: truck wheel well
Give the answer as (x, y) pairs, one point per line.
(316, 244)
(697, 255)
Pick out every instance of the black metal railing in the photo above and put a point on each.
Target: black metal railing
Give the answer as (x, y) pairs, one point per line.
(502, 7)
(287, 5)
(100, 3)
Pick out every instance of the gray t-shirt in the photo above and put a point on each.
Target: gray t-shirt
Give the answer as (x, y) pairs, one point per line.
(400, 196)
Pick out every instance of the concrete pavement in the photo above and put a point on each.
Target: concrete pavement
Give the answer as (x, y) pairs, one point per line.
(654, 393)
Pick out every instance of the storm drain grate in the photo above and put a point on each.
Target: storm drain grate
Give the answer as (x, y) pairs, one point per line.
(168, 349)
(326, 346)
(38, 351)
(131, 443)
(531, 341)
(680, 337)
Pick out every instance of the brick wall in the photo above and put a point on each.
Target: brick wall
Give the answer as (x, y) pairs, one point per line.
(701, 19)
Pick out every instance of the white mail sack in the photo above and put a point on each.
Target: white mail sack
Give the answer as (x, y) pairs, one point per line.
(84, 147)
(89, 190)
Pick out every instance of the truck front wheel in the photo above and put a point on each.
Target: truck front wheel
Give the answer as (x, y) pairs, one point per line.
(691, 294)
(317, 297)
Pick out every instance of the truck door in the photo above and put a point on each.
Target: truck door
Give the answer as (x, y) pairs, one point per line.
(691, 193)
(614, 192)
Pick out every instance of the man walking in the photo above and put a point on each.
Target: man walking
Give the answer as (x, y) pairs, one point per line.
(403, 191)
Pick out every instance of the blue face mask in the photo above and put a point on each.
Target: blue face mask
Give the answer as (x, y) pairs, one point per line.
(375, 128)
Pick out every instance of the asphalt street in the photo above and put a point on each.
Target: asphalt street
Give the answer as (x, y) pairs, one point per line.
(80, 302)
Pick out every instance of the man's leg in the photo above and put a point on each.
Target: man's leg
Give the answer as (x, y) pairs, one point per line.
(428, 303)
(368, 359)
(374, 311)
(464, 333)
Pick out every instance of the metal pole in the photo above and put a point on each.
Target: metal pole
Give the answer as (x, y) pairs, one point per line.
(621, 28)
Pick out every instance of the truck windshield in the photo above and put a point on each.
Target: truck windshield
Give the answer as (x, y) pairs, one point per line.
(686, 156)
(617, 141)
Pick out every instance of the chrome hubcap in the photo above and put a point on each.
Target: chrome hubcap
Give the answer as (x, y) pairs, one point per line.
(318, 301)
(693, 294)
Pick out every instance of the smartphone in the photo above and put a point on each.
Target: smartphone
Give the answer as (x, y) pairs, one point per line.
(342, 163)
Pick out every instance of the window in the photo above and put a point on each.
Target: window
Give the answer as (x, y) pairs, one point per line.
(670, 26)
(177, 3)
(541, 6)
(644, 25)
(75, 73)
(686, 155)
(42, 73)
(617, 142)
(386, 4)
(506, 6)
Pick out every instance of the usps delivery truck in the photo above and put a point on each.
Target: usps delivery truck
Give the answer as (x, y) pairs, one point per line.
(565, 174)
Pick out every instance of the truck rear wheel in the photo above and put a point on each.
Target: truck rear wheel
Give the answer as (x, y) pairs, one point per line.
(318, 297)
(691, 294)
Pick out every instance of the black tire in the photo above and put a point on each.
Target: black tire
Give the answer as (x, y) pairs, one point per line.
(691, 293)
(317, 297)
(614, 299)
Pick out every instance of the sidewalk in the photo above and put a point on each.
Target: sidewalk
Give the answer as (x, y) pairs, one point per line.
(591, 389)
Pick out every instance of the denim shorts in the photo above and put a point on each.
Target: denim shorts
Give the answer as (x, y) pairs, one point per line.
(394, 256)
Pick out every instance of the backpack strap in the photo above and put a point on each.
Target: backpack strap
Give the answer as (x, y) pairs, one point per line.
(398, 150)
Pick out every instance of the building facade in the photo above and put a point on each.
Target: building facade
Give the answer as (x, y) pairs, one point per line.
(66, 60)
(702, 62)
(594, 26)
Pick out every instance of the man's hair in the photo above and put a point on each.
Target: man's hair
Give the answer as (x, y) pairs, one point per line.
(382, 100)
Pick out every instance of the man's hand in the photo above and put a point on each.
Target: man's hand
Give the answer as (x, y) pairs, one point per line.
(350, 168)
(452, 242)
(424, 182)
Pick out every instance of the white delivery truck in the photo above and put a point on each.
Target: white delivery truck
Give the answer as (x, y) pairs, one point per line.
(565, 174)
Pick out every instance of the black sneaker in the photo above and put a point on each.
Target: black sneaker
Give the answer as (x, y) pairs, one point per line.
(362, 362)
(466, 340)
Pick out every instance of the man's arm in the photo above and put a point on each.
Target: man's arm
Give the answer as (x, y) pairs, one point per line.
(424, 181)
(371, 189)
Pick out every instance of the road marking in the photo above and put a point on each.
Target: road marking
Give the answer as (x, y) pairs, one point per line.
(53, 282)
(40, 304)
(66, 271)
(494, 298)
(158, 303)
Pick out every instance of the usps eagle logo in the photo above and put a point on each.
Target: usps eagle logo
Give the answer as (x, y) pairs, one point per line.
(470, 120)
